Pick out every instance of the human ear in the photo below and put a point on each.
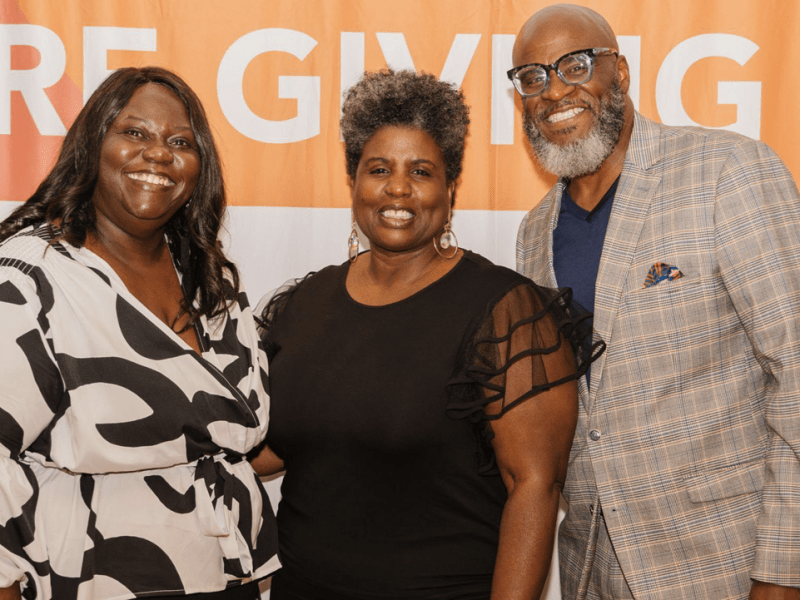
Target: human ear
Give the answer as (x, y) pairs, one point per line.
(351, 183)
(623, 74)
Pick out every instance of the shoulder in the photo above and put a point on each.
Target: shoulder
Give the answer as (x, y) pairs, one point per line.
(502, 285)
(29, 245)
(484, 272)
(30, 254)
(297, 296)
(714, 142)
(25, 275)
(686, 147)
(535, 228)
(311, 283)
(319, 282)
(539, 214)
(497, 285)
(535, 234)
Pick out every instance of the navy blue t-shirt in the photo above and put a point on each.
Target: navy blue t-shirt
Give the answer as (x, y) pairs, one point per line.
(578, 243)
(577, 246)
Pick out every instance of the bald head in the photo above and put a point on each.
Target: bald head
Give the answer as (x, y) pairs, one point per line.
(549, 27)
(575, 129)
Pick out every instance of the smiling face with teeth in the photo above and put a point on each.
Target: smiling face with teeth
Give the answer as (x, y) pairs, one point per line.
(149, 164)
(564, 114)
(401, 196)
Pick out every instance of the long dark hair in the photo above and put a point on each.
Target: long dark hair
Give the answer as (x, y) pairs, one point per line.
(65, 195)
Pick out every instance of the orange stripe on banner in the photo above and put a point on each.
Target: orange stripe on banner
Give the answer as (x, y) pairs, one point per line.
(714, 63)
(25, 155)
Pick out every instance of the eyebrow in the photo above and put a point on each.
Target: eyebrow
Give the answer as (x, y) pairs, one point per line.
(416, 161)
(423, 160)
(132, 117)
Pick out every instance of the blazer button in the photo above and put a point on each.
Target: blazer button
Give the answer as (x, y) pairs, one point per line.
(594, 435)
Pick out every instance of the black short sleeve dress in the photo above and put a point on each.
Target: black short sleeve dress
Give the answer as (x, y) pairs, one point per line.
(377, 411)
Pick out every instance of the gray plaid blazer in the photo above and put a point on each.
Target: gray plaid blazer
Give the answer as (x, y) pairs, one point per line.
(689, 437)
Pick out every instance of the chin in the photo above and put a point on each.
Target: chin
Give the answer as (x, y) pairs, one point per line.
(569, 130)
(155, 211)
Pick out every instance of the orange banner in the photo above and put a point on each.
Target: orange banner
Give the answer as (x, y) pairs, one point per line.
(271, 75)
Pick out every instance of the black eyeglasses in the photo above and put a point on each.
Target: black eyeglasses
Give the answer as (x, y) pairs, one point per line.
(574, 68)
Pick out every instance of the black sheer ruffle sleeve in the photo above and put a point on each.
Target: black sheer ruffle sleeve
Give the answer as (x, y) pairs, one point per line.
(525, 327)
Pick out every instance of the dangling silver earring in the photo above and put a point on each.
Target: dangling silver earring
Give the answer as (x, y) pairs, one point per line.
(447, 242)
(352, 243)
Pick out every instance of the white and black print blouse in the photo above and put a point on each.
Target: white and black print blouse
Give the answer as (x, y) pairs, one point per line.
(121, 449)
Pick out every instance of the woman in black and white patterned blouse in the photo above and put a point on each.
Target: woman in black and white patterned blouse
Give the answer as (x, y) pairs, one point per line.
(132, 384)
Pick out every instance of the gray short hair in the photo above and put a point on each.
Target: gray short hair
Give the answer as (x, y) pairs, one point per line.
(410, 99)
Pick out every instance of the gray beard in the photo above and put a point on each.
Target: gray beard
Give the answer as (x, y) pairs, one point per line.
(586, 155)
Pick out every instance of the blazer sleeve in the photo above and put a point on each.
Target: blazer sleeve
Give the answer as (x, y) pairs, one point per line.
(757, 237)
(30, 390)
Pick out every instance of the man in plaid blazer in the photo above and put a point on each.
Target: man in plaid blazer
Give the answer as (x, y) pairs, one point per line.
(684, 477)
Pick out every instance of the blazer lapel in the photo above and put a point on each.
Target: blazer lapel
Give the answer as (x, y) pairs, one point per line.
(538, 243)
(632, 201)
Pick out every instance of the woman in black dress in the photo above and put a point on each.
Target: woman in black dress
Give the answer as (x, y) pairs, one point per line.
(389, 375)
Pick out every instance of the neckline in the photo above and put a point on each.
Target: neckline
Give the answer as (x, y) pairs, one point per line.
(343, 284)
(108, 271)
(569, 205)
(206, 358)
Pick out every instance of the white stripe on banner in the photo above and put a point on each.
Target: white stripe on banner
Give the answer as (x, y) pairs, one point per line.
(273, 244)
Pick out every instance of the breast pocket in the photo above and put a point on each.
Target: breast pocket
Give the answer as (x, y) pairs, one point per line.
(665, 334)
(664, 315)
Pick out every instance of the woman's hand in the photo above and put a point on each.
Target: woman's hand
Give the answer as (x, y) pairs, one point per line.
(264, 463)
(10, 593)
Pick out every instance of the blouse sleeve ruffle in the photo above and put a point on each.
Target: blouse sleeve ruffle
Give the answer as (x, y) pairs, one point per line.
(523, 325)
(18, 497)
(28, 377)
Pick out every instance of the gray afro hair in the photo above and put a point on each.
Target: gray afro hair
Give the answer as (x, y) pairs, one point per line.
(405, 99)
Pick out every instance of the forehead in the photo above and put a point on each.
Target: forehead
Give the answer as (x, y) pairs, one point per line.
(152, 101)
(395, 140)
(548, 38)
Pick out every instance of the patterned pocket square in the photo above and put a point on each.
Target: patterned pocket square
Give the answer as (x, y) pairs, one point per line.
(659, 272)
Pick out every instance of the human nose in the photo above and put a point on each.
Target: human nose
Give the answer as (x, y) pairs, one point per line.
(158, 150)
(398, 185)
(556, 88)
